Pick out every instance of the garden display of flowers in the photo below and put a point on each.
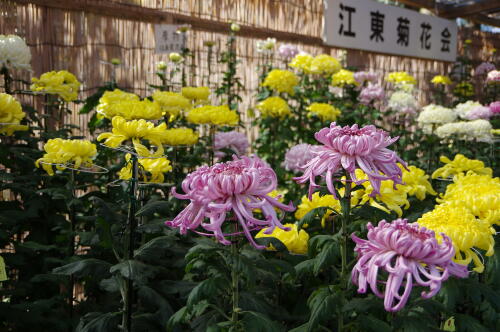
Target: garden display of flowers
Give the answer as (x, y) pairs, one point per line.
(337, 202)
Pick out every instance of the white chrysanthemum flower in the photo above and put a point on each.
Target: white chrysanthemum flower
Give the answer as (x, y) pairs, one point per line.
(435, 115)
(266, 46)
(14, 52)
(403, 102)
(479, 130)
(463, 108)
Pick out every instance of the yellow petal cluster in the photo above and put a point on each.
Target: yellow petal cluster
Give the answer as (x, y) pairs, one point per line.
(199, 95)
(72, 153)
(214, 115)
(306, 205)
(400, 77)
(344, 77)
(110, 98)
(61, 83)
(154, 166)
(172, 103)
(302, 61)
(135, 110)
(465, 231)
(325, 65)
(389, 199)
(281, 81)
(460, 165)
(275, 107)
(294, 240)
(180, 136)
(441, 79)
(325, 112)
(478, 193)
(135, 130)
(416, 182)
(11, 114)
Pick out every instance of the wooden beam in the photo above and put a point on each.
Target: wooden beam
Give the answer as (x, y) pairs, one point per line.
(428, 4)
(469, 8)
(154, 15)
(483, 19)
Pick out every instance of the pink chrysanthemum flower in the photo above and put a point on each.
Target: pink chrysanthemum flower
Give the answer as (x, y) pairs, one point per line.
(373, 92)
(495, 107)
(363, 77)
(298, 156)
(241, 186)
(350, 148)
(484, 68)
(410, 255)
(288, 51)
(232, 140)
(479, 112)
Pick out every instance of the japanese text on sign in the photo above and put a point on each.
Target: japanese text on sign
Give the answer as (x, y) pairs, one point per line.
(373, 26)
(168, 40)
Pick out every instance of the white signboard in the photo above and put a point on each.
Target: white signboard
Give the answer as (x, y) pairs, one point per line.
(168, 40)
(373, 26)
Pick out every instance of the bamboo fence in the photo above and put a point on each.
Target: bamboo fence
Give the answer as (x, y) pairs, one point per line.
(78, 35)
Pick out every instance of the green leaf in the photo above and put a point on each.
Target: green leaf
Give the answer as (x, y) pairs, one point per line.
(99, 322)
(466, 323)
(178, 318)
(258, 322)
(309, 219)
(205, 290)
(85, 267)
(135, 270)
(322, 304)
(148, 210)
(372, 324)
(326, 257)
(153, 247)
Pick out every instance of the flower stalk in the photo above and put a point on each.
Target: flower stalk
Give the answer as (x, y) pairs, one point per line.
(345, 203)
(234, 279)
(129, 247)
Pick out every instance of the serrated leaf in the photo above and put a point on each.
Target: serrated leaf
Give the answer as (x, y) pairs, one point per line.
(135, 270)
(177, 318)
(162, 207)
(310, 217)
(322, 304)
(152, 247)
(325, 257)
(372, 324)
(258, 322)
(205, 290)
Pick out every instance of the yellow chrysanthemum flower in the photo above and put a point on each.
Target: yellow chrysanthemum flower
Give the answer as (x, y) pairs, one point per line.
(317, 201)
(199, 95)
(61, 83)
(465, 231)
(276, 193)
(135, 110)
(391, 198)
(441, 79)
(400, 77)
(295, 241)
(416, 182)
(479, 193)
(302, 62)
(459, 165)
(281, 81)
(464, 89)
(325, 112)
(275, 107)
(344, 77)
(11, 114)
(135, 130)
(214, 115)
(110, 98)
(172, 103)
(180, 136)
(325, 65)
(495, 131)
(154, 166)
(72, 153)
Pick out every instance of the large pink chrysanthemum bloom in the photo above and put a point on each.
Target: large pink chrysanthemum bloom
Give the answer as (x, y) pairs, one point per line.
(484, 68)
(495, 107)
(363, 77)
(350, 148)
(298, 156)
(241, 186)
(410, 255)
(288, 51)
(232, 140)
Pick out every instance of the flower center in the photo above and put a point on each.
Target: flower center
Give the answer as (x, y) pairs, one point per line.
(230, 170)
(414, 233)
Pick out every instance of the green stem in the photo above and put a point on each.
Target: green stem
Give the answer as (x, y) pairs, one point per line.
(129, 248)
(71, 247)
(234, 282)
(346, 218)
(7, 79)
